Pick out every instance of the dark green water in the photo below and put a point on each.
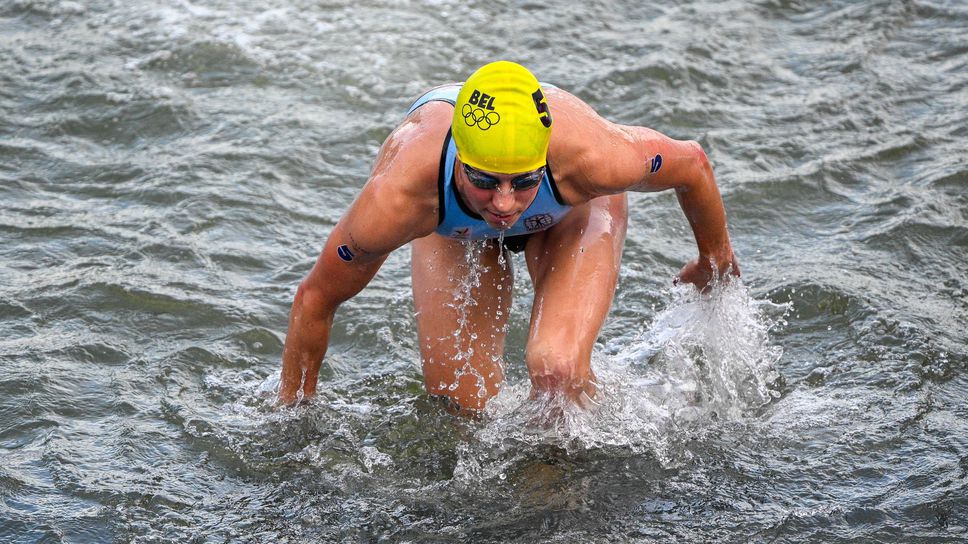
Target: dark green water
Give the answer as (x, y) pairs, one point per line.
(169, 171)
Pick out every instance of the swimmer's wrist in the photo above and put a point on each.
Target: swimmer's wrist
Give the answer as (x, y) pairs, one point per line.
(722, 261)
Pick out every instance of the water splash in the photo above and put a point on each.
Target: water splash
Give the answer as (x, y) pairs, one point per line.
(707, 356)
(705, 359)
(468, 281)
(502, 260)
(463, 335)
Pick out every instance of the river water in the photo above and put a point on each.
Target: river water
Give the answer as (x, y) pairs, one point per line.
(169, 171)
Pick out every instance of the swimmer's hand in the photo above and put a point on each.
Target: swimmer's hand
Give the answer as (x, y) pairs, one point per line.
(296, 384)
(287, 397)
(699, 272)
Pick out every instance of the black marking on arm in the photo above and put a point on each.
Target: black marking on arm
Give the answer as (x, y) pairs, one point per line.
(357, 246)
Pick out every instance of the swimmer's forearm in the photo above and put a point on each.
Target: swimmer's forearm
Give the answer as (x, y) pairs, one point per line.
(703, 206)
(333, 280)
(306, 343)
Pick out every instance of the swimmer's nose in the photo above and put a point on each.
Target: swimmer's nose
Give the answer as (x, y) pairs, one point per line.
(503, 199)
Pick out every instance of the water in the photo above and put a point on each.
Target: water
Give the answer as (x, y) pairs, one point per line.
(169, 171)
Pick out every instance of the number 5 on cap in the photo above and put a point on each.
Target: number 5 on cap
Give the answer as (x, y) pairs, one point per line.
(542, 105)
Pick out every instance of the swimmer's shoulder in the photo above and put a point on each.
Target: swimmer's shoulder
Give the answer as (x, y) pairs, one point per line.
(407, 167)
(579, 146)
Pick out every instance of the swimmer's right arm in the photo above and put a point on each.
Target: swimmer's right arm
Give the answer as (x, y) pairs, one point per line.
(392, 210)
(332, 281)
(354, 252)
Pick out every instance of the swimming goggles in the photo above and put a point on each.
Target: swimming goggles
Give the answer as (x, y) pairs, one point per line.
(488, 182)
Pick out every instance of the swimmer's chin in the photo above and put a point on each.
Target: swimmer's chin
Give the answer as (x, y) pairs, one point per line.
(502, 223)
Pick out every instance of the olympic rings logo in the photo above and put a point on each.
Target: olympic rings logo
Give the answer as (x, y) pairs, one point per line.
(476, 116)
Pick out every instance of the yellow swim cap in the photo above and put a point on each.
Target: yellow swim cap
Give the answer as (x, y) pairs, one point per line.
(501, 120)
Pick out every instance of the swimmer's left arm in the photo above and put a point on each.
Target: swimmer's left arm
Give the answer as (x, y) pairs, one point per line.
(606, 158)
(647, 160)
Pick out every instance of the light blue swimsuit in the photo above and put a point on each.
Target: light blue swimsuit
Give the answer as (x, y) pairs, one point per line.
(457, 220)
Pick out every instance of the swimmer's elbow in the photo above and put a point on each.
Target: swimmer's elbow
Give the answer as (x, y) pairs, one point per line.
(699, 154)
(700, 169)
(314, 302)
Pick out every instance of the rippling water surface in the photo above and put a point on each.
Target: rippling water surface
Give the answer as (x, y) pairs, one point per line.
(169, 171)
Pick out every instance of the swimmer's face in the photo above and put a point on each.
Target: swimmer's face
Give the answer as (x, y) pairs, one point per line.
(499, 198)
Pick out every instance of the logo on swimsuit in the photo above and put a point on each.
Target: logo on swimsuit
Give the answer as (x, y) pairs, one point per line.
(461, 233)
(344, 253)
(476, 116)
(538, 222)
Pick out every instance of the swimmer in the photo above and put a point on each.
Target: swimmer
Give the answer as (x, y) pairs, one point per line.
(503, 157)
